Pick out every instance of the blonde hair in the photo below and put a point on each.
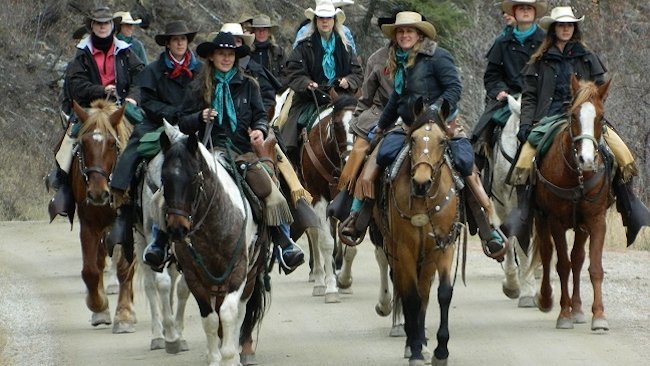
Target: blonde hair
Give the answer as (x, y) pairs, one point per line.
(391, 63)
(338, 29)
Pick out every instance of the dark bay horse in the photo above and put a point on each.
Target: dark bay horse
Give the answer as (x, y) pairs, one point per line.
(103, 133)
(221, 250)
(419, 220)
(572, 192)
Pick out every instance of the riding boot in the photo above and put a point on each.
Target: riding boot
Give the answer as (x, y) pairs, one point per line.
(155, 254)
(634, 213)
(289, 255)
(353, 229)
(304, 217)
(58, 179)
(493, 241)
(122, 230)
(519, 222)
(340, 206)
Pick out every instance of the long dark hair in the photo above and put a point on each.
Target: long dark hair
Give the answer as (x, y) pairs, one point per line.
(551, 38)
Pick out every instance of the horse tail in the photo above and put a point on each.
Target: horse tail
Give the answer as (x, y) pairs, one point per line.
(259, 299)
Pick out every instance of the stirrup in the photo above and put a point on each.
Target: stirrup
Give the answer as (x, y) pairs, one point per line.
(498, 254)
(282, 265)
(348, 233)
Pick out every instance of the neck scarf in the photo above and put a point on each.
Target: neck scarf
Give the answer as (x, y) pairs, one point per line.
(221, 95)
(102, 44)
(179, 67)
(401, 57)
(522, 36)
(329, 65)
(124, 38)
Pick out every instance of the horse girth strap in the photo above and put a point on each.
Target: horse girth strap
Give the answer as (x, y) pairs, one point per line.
(317, 164)
(573, 194)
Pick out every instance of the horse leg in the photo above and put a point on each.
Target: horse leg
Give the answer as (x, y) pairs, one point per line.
(110, 274)
(92, 273)
(124, 312)
(384, 302)
(596, 273)
(563, 268)
(577, 260)
(231, 313)
(182, 294)
(317, 274)
(345, 275)
(545, 295)
(510, 284)
(326, 249)
(445, 293)
(526, 277)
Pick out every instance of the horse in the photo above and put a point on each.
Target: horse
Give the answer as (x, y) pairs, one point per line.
(103, 133)
(216, 242)
(418, 214)
(519, 282)
(573, 192)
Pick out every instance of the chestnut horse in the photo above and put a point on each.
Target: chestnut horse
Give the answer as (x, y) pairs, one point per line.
(221, 250)
(572, 192)
(419, 218)
(103, 133)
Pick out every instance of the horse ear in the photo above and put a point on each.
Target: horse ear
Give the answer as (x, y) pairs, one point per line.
(445, 110)
(116, 117)
(79, 111)
(165, 143)
(575, 84)
(418, 106)
(193, 143)
(603, 90)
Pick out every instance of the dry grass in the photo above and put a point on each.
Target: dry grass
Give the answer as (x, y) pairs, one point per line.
(615, 237)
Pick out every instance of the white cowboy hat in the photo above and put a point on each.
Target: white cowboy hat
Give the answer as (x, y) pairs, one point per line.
(340, 3)
(409, 19)
(236, 30)
(325, 9)
(560, 14)
(126, 18)
(540, 6)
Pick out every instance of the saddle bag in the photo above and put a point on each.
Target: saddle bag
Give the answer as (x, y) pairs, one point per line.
(255, 175)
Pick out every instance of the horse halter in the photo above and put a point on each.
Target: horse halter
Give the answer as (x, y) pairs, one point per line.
(197, 178)
(85, 171)
(425, 156)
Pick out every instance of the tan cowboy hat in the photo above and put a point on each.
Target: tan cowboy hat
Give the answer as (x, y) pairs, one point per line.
(325, 9)
(409, 19)
(560, 14)
(101, 14)
(236, 30)
(540, 6)
(175, 28)
(262, 21)
(126, 18)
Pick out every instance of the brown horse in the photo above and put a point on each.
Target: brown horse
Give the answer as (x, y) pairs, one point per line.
(573, 193)
(103, 133)
(419, 219)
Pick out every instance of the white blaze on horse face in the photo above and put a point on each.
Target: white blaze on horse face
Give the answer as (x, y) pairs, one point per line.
(587, 154)
(347, 117)
(97, 136)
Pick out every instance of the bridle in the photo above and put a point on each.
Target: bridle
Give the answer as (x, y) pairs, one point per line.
(85, 170)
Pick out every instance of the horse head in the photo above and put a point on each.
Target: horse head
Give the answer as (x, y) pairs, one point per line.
(102, 134)
(586, 121)
(428, 143)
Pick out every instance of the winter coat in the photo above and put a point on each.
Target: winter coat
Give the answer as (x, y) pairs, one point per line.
(257, 72)
(84, 79)
(269, 55)
(434, 75)
(248, 105)
(162, 97)
(548, 79)
(375, 91)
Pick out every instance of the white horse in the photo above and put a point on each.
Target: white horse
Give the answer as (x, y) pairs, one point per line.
(519, 282)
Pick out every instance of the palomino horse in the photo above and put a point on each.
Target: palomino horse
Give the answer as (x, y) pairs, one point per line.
(572, 192)
(519, 282)
(216, 242)
(419, 219)
(102, 134)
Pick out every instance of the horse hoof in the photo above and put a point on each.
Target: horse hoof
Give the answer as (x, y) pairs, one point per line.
(101, 318)
(427, 354)
(512, 293)
(332, 298)
(407, 352)
(599, 324)
(311, 278)
(397, 331)
(437, 362)
(564, 323)
(318, 290)
(123, 327)
(542, 308)
(346, 291)
(526, 302)
(157, 343)
(112, 289)
(382, 310)
(248, 359)
(579, 317)
(173, 347)
(343, 284)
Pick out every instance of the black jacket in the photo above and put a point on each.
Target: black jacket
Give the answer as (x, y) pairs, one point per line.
(256, 71)
(269, 55)
(248, 105)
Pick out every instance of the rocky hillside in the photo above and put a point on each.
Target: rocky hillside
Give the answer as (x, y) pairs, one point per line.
(36, 38)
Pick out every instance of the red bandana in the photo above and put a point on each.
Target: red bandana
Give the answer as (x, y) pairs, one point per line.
(180, 68)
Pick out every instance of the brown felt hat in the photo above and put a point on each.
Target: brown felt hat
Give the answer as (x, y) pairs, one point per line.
(174, 28)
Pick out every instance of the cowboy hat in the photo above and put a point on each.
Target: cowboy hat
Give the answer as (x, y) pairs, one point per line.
(174, 28)
(223, 40)
(325, 9)
(102, 14)
(560, 14)
(409, 19)
(236, 30)
(540, 6)
(262, 21)
(126, 18)
(340, 3)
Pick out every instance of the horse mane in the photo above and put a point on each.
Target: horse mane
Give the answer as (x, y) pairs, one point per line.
(98, 119)
(586, 92)
(344, 101)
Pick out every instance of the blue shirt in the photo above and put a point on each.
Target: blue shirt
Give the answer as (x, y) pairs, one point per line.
(302, 32)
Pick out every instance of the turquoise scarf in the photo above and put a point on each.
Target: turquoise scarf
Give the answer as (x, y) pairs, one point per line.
(522, 36)
(401, 57)
(221, 94)
(329, 65)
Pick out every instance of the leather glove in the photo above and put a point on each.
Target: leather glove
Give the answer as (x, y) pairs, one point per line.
(524, 131)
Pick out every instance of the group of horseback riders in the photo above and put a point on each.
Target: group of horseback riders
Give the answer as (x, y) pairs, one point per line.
(231, 81)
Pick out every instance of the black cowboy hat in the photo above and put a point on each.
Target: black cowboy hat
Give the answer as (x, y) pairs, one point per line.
(175, 28)
(102, 14)
(222, 41)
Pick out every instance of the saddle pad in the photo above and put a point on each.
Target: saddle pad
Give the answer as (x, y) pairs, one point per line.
(149, 143)
(544, 132)
(134, 114)
(501, 115)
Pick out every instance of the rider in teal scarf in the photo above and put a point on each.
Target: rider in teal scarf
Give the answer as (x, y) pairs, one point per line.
(329, 64)
(401, 57)
(222, 96)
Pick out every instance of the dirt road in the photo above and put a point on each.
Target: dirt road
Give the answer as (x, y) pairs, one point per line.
(43, 319)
